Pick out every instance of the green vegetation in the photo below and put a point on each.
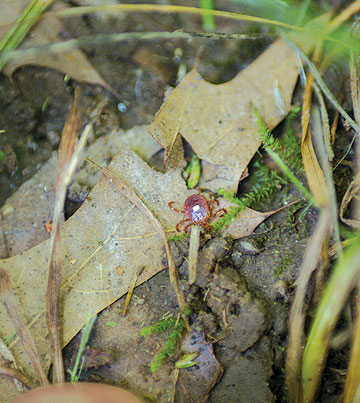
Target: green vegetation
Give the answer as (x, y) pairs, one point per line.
(193, 170)
(158, 327)
(284, 263)
(286, 153)
(85, 334)
(178, 327)
(208, 21)
(178, 237)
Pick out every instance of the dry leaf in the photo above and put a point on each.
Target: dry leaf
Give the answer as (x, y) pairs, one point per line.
(48, 30)
(107, 231)
(24, 215)
(13, 310)
(246, 223)
(214, 177)
(218, 120)
(26, 212)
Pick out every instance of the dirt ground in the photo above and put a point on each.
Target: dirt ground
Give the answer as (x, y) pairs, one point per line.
(241, 298)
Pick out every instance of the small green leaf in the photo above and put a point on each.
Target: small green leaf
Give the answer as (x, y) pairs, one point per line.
(111, 324)
(193, 170)
(2, 155)
(187, 361)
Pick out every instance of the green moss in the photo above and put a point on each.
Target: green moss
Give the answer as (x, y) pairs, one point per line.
(169, 346)
(178, 327)
(267, 182)
(283, 265)
(178, 237)
(158, 327)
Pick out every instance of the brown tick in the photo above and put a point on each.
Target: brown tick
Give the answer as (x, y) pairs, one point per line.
(199, 211)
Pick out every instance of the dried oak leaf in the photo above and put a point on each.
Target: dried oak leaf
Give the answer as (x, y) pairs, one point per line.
(49, 29)
(218, 120)
(25, 214)
(106, 232)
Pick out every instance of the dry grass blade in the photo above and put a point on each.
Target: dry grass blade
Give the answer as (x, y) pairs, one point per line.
(8, 300)
(297, 318)
(321, 133)
(344, 278)
(131, 290)
(347, 13)
(124, 188)
(312, 168)
(67, 161)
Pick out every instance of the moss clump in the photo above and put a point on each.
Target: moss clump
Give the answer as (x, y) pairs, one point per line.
(178, 327)
(283, 265)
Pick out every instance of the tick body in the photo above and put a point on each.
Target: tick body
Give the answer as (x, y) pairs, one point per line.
(199, 211)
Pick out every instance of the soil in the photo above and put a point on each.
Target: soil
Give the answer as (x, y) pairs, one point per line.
(241, 298)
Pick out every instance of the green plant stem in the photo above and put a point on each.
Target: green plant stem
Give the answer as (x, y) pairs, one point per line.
(208, 19)
(344, 278)
(21, 27)
(280, 163)
(85, 334)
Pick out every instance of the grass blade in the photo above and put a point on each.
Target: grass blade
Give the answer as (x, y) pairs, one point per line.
(352, 383)
(85, 334)
(21, 27)
(208, 20)
(297, 317)
(344, 278)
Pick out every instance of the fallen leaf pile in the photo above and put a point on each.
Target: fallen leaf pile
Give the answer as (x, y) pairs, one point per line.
(109, 239)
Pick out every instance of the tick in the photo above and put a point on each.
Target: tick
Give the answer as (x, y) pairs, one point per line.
(199, 211)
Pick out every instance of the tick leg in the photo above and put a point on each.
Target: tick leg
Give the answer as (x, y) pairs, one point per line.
(212, 201)
(189, 225)
(174, 208)
(206, 226)
(181, 222)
